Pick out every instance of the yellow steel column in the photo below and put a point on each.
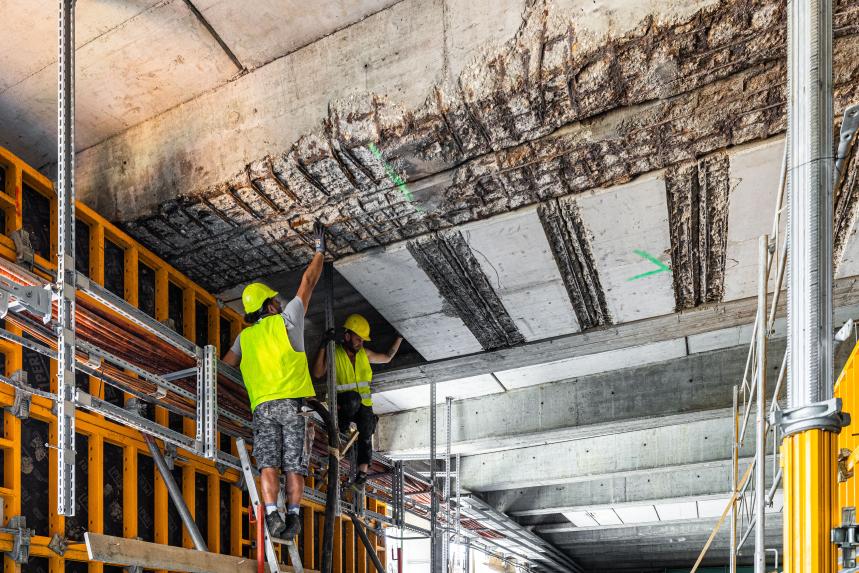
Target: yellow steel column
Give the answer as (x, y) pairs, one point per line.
(349, 546)
(161, 496)
(95, 483)
(808, 460)
(129, 491)
(189, 493)
(213, 511)
(56, 522)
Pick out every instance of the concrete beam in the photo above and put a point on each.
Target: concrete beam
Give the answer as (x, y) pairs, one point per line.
(572, 409)
(694, 481)
(677, 530)
(652, 451)
(701, 322)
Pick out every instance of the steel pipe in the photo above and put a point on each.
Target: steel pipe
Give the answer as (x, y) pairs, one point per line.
(175, 494)
(760, 415)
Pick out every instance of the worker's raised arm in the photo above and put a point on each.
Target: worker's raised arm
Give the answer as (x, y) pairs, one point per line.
(383, 358)
(314, 269)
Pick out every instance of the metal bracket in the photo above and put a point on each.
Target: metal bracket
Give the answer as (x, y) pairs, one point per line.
(826, 415)
(58, 544)
(843, 473)
(25, 254)
(33, 299)
(170, 455)
(20, 539)
(21, 404)
(849, 128)
(846, 538)
(136, 406)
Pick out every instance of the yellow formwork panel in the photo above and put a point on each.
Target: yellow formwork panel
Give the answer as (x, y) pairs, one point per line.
(97, 429)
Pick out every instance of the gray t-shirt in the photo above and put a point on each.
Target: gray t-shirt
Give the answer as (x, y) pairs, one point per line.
(293, 317)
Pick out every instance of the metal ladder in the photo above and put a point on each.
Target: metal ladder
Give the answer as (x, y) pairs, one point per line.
(270, 542)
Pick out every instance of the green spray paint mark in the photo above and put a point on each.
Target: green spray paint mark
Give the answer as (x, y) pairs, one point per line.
(392, 174)
(645, 255)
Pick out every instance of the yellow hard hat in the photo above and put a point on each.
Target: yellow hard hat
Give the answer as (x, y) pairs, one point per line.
(254, 295)
(359, 325)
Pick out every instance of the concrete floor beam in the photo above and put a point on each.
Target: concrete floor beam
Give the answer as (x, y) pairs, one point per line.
(700, 387)
(652, 451)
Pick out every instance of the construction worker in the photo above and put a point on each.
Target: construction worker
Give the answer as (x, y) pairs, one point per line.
(354, 400)
(274, 367)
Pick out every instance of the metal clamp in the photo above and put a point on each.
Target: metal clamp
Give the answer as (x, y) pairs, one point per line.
(849, 128)
(33, 299)
(21, 404)
(846, 538)
(20, 539)
(58, 544)
(170, 455)
(826, 415)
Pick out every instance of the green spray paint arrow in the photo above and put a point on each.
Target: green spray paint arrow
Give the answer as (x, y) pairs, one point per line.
(645, 255)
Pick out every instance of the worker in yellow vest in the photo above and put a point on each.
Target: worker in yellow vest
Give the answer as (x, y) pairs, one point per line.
(354, 374)
(275, 371)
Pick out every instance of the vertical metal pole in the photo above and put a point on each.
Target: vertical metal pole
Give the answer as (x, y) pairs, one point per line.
(445, 545)
(331, 378)
(66, 283)
(735, 450)
(809, 285)
(458, 497)
(760, 416)
(434, 546)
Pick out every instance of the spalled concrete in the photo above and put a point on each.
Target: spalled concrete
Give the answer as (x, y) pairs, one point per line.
(532, 121)
(698, 217)
(447, 259)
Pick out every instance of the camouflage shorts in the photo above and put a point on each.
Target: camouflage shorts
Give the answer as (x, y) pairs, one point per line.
(282, 437)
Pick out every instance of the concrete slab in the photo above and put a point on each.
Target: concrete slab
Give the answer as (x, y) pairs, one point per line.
(591, 364)
(392, 282)
(152, 62)
(755, 172)
(513, 251)
(623, 220)
(277, 27)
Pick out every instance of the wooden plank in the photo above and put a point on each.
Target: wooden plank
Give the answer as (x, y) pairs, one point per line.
(121, 551)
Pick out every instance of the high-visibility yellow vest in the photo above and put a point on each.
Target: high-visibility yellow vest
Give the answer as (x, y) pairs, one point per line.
(271, 368)
(354, 378)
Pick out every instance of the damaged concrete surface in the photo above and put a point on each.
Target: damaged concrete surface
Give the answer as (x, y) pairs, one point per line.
(570, 244)
(448, 261)
(698, 219)
(549, 115)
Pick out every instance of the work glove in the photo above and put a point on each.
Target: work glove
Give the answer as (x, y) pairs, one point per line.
(319, 237)
(330, 335)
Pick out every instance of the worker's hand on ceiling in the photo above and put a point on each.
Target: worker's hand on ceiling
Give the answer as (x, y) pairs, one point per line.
(319, 236)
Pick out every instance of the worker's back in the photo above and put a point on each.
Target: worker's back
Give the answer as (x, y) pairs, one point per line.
(271, 367)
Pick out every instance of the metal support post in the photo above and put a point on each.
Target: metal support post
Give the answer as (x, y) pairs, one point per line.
(331, 378)
(207, 402)
(435, 564)
(760, 415)
(66, 261)
(175, 494)
(458, 497)
(813, 417)
(445, 545)
(368, 545)
(735, 450)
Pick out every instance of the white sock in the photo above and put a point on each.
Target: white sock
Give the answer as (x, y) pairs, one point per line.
(270, 508)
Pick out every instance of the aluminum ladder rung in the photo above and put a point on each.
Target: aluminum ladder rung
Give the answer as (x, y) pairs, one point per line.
(253, 495)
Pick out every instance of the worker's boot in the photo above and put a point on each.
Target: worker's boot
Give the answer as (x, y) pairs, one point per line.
(275, 524)
(293, 526)
(360, 478)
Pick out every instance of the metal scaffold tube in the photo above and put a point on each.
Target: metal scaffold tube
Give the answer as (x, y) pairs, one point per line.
(813, 418)
(435, 561)
(175, 494)
(760, 416)
(65, 286)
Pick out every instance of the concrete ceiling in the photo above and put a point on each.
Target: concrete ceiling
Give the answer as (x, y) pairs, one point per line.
(557, 203)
